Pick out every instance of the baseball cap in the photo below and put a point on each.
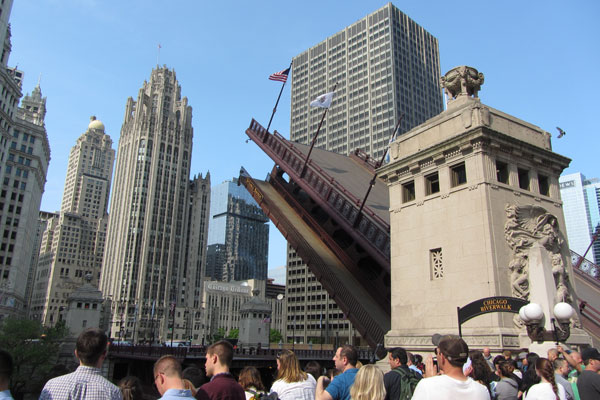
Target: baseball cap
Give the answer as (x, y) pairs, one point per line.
(590, 353)
(454, 349)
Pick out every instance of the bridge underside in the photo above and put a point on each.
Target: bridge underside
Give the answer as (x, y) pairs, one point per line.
(317, 209)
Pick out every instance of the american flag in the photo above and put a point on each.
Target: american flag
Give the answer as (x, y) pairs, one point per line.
(280, 76)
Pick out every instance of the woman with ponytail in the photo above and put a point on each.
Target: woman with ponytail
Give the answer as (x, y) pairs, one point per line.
(547, 389)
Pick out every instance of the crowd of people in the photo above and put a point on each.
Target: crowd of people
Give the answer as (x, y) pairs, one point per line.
(453, 372)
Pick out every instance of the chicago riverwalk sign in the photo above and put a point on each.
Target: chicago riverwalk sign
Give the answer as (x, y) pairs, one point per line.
(488, 305)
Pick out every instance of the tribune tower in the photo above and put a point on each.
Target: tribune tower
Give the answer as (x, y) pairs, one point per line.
(145, 274)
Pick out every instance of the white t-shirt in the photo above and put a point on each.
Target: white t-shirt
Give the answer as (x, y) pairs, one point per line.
(444, 387)
(303, 390)
(543, 391)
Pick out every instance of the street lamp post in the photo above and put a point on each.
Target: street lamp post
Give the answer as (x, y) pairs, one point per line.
(533, 317)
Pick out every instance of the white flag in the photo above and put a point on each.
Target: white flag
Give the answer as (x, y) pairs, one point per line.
(323, 100)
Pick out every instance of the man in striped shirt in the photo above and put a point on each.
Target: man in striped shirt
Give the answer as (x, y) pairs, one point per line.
(87, 381)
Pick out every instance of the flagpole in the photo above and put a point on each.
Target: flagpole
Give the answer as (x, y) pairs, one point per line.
(276, 104)
(372, 183)
(303, 171)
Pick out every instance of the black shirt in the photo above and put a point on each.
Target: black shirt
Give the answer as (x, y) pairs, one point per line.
(588, 385)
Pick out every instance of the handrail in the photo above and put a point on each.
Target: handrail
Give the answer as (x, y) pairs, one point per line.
(585, 308)
(585, 267)
(186, 352)
(372, 228)
(261, 131)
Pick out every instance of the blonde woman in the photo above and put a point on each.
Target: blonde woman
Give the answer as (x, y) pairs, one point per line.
(368, 384)
(292, 383)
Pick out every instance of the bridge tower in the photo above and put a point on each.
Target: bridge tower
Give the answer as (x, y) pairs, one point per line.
(473, 193)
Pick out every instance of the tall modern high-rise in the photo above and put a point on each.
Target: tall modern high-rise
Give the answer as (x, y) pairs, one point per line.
(24, 158)
(382, 66)
(581, 205)
(73, 243)
(145, 274)
(238, 235)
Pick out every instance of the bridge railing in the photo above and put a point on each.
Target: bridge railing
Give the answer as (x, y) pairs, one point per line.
(371, 227)
(155, 352)
(586, 267)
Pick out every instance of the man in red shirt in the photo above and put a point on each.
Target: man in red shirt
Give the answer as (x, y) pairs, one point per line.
(222, 385)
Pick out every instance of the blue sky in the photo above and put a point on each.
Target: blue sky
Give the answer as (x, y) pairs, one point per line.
(540, 60)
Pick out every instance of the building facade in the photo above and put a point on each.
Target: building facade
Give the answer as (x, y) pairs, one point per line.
(581, 205)
(222, 302)
(382, 66)
(145, 274)
(72, 246)
(238, 235)
(41, 228)
(24, 158)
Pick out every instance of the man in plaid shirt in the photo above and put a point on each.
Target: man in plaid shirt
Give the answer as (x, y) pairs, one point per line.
(87, 381)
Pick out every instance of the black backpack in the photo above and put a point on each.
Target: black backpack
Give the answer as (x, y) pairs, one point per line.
(408, 382)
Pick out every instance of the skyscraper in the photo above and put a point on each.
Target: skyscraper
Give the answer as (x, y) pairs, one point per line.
(238, 235)
(144, 271)
(72, 245)
(382, 66)
(24, 158)
(581, 205)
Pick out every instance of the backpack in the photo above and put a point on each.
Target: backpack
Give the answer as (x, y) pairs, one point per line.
(262, 395)
(408, 382)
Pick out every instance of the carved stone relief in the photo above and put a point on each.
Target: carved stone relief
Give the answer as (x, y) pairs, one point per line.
(462, 81)
(525, 226)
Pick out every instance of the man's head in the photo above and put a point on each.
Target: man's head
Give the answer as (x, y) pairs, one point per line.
(552, 355)
(397, 357)
(497, 360)
(91, 347)
(167, 374)
(507, 354)
(345, 357)
(6, 369)
(194, 375)
(561, 367)
(410, 358)
(486, 352)
(576, 356)
(219, 357)
(591, 359)
(452, 353)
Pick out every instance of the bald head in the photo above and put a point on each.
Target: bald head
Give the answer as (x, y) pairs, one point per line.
(576, 356)
(486, 351)
(169, 366)
(552, 355)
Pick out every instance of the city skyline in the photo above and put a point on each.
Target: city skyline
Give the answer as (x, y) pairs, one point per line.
(98, 54)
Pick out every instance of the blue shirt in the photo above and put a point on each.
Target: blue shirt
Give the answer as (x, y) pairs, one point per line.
(177, 394)
(5, 394)
(339, 388)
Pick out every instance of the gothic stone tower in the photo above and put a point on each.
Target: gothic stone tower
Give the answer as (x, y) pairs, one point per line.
(143, 271)
(472, 192)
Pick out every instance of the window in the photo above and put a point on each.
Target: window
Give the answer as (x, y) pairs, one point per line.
(544, 185)
(458, 175)
(408, 191)
(523, 178)
(432, 184)
(436, 264)
(502, 172)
